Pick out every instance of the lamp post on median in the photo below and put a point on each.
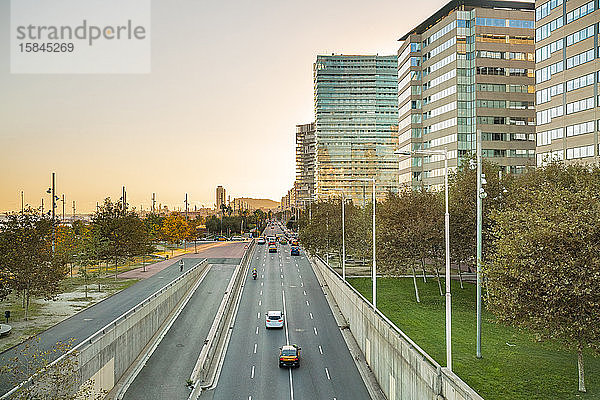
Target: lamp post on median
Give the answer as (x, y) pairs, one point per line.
(443, 152)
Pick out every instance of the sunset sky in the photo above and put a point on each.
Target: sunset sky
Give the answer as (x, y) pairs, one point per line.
(229, 82)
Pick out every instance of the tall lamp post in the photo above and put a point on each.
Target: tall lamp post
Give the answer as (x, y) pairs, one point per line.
(374, 269)
(444, 153)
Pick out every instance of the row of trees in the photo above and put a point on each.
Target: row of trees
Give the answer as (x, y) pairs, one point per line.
(246, 221)
(541, 235)
(36, 254)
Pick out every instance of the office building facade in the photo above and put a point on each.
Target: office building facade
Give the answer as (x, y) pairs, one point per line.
(221, 199)
(356, 117)
(468, 67)
(568, 116)
(305, 162)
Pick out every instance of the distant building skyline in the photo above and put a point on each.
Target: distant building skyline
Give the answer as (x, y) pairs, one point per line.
(220, 197)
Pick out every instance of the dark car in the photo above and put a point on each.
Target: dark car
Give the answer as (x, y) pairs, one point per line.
(295, 251)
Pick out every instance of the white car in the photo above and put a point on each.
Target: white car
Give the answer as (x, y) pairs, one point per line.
(274, 319)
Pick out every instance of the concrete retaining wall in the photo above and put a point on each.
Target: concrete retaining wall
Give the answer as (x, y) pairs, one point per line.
(402, 368)
(107, 354)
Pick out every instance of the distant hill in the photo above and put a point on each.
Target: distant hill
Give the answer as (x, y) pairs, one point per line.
(263, 204)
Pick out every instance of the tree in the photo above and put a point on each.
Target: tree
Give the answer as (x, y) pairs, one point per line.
(26, 255)
(544, 269)
(462, 199)
(175, 229)
(52, 381)
(65, 248)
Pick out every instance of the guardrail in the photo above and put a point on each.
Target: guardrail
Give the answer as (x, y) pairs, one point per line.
(402, 368)
(85, 350)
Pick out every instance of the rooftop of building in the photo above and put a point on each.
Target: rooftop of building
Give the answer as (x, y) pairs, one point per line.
(455, 4)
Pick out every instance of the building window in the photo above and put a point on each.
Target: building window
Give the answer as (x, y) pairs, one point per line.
(580, 152)
(580, 105)
(544, 10)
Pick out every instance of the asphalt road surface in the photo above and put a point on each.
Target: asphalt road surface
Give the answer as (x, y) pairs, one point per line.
(85, 323)
(251, 370)
(169, 367)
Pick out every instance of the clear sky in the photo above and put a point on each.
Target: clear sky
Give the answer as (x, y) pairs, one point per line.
(229, 82)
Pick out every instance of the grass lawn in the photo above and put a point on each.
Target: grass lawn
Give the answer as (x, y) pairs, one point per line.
(514, 364)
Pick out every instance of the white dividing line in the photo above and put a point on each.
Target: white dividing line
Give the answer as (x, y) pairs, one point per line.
(262, 283)
(315, 329)
(281, 283)
(291, 385)
(301, 284)
(287, 338)
(261, 292)
(258, 315)
(300, 276)
(282, 274)
(307, 303)
(326, 371)
(262, 276)
(305, 290)
(320, 350)
(260, 301)
(257, 330)
(311, 316)
(256, 344)
(252, 374)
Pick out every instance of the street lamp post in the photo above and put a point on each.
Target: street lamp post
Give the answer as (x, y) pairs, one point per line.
(443, 152)
(374, 269)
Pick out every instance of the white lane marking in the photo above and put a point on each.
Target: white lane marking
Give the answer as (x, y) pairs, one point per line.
(281, 283)
(291, 385)
(258, 315)
(263, 270)
(326, 371)
(262, 283)
(261, 292)
(298, 270)
(320, 350)
(257, 330)
(262, 276)
(307, 303)
(315, 329)
(250, 398)
(252, 374)
(260, 302)
(287, 338)
(263, 265)
(311, 316)
(305, 290)
(301, 284)
(256, 344)
(281, 276)
(300, 276)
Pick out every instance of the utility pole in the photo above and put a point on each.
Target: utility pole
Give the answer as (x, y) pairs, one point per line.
(124, 197)
(73, 210)
(22, 203)
(480, 196)
(42, 207)
(63, 204)
(153, 202)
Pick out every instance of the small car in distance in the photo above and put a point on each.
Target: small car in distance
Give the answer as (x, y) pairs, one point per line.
(295, 251)
(289, 356)
(274, 319)
(294, 242)
(283, 241)
(272, 248)
(261, 240)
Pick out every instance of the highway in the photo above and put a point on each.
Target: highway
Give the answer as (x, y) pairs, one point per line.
(165, 374)
(250, 369)
(85, 323)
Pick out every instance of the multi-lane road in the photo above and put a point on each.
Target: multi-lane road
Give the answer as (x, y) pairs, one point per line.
(251, 370)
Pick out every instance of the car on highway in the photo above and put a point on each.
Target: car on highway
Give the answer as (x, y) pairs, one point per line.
(237, 238)
(272, 248)
(261, 240)
(283, 241)
(221, 239)
(289, 356)
(294, 242)
(271, 239)
(274, 319)
(295, 251)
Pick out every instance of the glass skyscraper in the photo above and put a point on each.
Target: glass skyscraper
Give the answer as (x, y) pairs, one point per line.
(356, 121)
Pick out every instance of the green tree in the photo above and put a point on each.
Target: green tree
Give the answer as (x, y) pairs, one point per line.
(175, 229)
(26, 256)
(544, 269)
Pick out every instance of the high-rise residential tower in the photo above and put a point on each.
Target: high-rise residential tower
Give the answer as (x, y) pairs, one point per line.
(305, 163)
(220, 197)
(568, 113)
(356, 117)
(468, 67)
